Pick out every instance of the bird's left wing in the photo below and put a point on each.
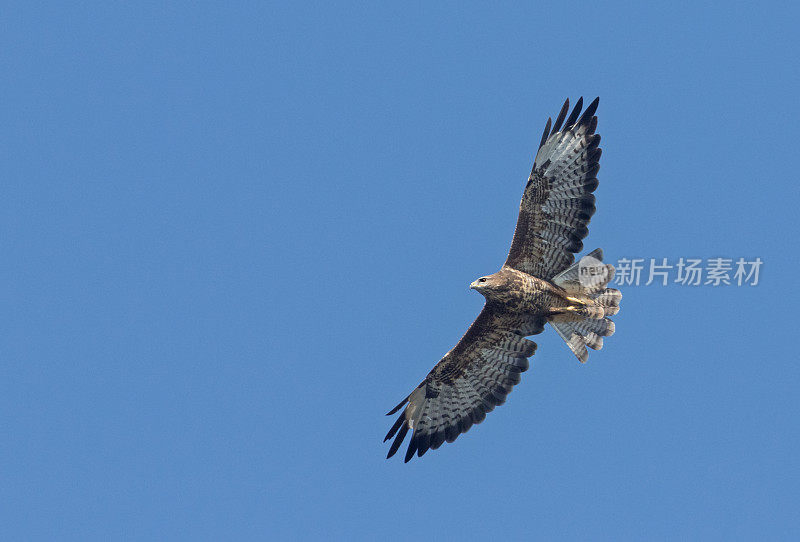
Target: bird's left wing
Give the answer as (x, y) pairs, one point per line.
(558, 202)
(469, 381)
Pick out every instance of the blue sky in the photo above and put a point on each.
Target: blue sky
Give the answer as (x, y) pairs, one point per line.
(233, 237)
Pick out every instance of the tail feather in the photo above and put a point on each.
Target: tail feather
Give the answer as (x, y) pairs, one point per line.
(587, 276)
(588, 279)
(584, 333)
(609, 299)
(574, 341)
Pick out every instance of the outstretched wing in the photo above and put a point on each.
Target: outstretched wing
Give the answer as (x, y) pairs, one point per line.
(468, 382)
(558, 202)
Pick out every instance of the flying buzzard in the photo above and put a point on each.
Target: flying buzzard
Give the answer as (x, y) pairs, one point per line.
(538, 284)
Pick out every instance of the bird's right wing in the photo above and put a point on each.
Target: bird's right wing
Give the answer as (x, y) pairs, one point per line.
(469, 381)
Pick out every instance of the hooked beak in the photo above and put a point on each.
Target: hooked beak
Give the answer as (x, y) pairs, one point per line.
(474, 285)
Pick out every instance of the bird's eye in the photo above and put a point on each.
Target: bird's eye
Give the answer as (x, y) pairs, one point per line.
(482, 279)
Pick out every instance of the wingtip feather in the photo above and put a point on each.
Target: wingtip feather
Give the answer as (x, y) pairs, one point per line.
(589, 113)
(412, 448)
(561, 115)
(395, 409)
(395, 427)
(546, 133)
(398, 441)
(574, 115)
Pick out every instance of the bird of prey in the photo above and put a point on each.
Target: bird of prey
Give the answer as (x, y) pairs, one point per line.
(539, 283)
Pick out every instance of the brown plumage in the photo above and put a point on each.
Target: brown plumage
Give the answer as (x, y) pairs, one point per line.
(539, 283)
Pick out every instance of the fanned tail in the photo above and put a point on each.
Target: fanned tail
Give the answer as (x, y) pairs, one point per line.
(587, 280)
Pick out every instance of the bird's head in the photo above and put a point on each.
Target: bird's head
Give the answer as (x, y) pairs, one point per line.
(493, 286)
